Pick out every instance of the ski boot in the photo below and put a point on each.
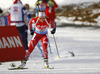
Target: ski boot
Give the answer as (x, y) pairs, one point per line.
(46, 63)
(23, 62)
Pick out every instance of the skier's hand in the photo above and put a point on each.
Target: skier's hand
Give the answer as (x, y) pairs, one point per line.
(53, 31)
(32, 32)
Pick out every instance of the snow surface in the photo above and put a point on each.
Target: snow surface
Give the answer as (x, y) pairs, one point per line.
(84, 42)
(70, 20)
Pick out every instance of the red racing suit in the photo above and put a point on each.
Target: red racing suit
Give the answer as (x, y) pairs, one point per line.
(40, 32)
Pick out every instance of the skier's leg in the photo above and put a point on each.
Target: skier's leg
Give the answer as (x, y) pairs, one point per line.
(33, 42)
(49, 47)
(39, 47)
(45, 45)
(45, 51)
(32, 45)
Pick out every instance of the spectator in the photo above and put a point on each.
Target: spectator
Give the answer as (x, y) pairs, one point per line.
(17, 12)
(3, 19)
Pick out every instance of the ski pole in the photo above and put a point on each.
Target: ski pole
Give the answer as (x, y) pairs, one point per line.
(56, 46)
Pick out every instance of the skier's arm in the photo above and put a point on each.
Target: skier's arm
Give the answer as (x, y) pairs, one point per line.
(52, 25)
(31, 27)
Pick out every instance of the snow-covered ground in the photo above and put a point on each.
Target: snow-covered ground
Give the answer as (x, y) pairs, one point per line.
(84, 42)
(69, 20)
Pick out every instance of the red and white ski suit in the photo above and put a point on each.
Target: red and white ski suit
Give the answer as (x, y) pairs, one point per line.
(41, 31)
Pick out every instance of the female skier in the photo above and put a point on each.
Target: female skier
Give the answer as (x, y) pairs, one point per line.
(40, 32)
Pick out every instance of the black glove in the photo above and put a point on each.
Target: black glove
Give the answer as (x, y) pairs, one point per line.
(53, 31)
(32, 32)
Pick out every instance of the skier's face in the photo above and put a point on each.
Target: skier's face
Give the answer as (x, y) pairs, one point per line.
(42, 18)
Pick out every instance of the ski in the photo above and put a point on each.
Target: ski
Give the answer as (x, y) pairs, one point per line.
(27, 68)
(16, 68)
(48, 68)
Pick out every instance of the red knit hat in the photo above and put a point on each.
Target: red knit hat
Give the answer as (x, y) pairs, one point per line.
(16, 1)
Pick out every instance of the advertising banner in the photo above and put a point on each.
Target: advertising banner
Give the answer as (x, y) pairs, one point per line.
(11, 46)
